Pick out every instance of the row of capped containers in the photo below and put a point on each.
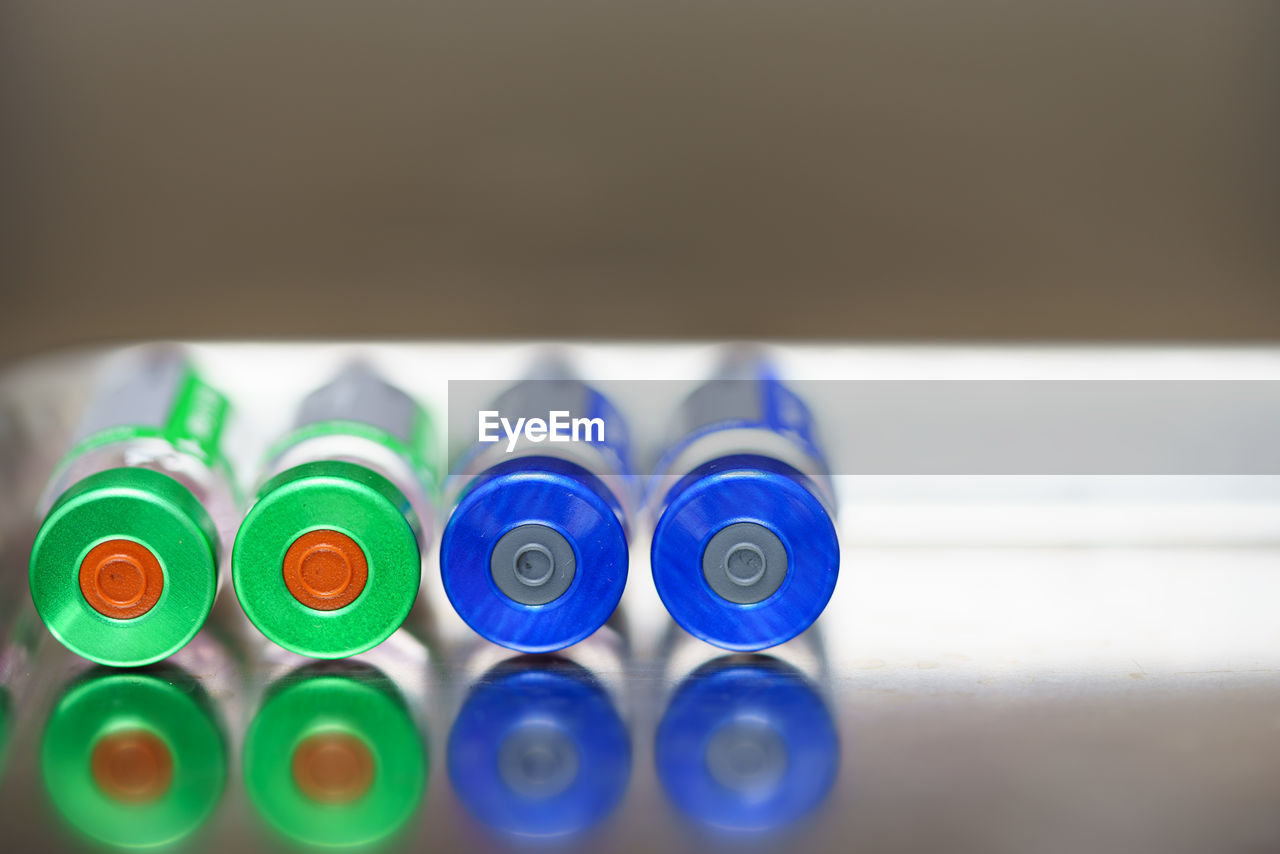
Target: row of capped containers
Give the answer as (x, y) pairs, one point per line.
(327, 560)
(337, 754)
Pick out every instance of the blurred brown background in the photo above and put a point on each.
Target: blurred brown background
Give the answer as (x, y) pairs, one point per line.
(907, 168)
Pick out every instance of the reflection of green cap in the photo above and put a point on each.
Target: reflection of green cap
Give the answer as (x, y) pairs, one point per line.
(124, 569)
(327, 562)
(134, 760)
(335, 760)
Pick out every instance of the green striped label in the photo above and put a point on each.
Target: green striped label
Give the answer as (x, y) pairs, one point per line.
(194, 423)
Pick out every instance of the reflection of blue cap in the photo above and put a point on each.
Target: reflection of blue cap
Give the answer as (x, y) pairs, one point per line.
(745, 555)
(747, 748)
(534, 556)
(539, 751)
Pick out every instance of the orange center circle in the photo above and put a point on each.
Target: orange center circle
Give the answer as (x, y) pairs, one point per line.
(333, 768)
(121, 579)
(132, 766)
(325, 570)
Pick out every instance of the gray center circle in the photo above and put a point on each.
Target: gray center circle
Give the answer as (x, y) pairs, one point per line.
(538, 761)
(745, 563)
(747, 756)
(533, 564)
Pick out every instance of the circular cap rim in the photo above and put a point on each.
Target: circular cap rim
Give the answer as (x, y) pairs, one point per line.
(353, 501)
(153, 510)
(769, 499)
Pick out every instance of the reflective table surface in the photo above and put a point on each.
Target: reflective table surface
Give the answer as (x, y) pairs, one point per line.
(997, 671)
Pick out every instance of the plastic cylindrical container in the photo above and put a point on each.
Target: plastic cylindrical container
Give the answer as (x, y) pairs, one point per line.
(534, 555)
(135, 759)
(538, 750)
(125, 567)
(333, 758)
(744, 552)
(328, 560)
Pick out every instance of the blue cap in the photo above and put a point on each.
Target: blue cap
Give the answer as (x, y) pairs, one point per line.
(746, 748)
(539, 751)
(745, 556)
(534, 556)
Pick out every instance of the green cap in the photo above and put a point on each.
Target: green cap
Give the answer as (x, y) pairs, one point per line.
(327, 562)
(134, 760)
(335, 760)
(124, 569)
